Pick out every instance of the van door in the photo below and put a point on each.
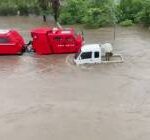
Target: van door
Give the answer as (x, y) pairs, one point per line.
(86, 57)
(97, 57)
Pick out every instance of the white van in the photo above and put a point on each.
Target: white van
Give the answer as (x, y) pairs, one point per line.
(96, 53)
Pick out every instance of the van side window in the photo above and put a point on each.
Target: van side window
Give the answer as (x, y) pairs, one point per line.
(86, 55)
(4, 40)
(57, 38)
(96, 55)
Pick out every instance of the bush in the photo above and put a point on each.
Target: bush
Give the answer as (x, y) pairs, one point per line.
(66, 18)
(34, 9)
(126, 23)
(92, 14)
(144, 15)
(73, 11)
(133, 11)
(98, 17)
(6, 10)
(24, 10)
(10, 7)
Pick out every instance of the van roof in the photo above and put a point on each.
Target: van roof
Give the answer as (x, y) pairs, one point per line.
(90, 47)
(4, 31)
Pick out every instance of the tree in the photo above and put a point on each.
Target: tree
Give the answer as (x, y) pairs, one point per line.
(73, 11)
(144, 14)
(44, 6)
(55, 4)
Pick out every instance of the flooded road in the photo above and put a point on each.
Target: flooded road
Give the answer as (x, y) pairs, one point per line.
(46, 97)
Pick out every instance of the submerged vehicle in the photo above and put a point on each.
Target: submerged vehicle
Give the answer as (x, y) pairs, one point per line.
(11, 42)
(56, 40)
(96, 53)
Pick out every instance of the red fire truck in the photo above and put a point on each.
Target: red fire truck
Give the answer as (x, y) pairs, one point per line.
(56, 40)
(11, 42)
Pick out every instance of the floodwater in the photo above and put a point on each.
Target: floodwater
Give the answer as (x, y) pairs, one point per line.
(49, 98)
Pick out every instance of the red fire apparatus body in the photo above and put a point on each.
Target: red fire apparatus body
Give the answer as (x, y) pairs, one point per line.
(55, 40)
(11, 42)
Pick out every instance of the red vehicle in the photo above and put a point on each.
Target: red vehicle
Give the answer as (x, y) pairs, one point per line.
(56, 41)
(11, 42)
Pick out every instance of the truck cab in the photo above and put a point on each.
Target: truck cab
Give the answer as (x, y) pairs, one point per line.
(56, 40)
(89, 54)
(11, 42)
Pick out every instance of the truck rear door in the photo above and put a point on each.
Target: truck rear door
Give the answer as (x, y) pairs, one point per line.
(58, 44)
(64, 44)
(70, 44)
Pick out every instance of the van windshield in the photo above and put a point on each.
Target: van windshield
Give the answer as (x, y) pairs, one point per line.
(76, 55)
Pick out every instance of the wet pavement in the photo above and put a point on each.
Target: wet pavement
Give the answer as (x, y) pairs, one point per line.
(47, 97)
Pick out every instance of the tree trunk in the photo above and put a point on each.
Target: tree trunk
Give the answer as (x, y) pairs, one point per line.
(44, 18)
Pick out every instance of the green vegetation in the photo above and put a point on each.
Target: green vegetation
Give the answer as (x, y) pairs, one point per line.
(97, 13)
(73, 11)
(144, 15)
(126, 23)
(25, 7)
(100, 13)
(133, 11)
(91, 13)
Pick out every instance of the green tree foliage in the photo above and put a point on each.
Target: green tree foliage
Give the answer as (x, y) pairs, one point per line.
(55, 4)
(97, 13)
(100, 13)
(44, 8)
(137, 11)
(46, 5)
(73, 11)
(92, 13)
(144, 15)
(25, 7)
(126, 23)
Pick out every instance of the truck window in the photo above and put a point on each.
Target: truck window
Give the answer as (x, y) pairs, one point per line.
(96, 55)
(86, 55)
(57, 38)
(4, 40)
(69, 39)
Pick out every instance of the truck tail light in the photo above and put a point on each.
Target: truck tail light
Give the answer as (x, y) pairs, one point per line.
(34, 36)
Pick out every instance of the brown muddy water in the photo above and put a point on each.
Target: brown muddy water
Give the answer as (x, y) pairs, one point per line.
(49, 98)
